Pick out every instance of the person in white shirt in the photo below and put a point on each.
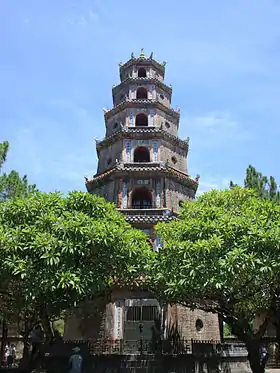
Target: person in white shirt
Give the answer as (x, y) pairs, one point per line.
(75, 361)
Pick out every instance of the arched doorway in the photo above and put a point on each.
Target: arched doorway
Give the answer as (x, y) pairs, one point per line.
(142, 73)
(141, 120)
(141, 154)
(142, 199)
(141, 93)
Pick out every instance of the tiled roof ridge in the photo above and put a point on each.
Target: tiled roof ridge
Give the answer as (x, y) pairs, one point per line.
(131, 61)
(149, 79)
(127, 102)
(158, 167)
(122, 131)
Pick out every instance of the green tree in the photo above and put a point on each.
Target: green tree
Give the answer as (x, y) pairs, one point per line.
(265, 187)
(11, 184)
(58, 251)
(4, 148)
(222, 256)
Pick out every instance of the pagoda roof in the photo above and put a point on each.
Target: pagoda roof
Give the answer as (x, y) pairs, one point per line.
(131, 103)
(155, 167)
(152, 80)
(135, 132)
(142, 59)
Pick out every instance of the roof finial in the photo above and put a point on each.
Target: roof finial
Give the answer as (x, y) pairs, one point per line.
(132, 55)
(151, 55)
(142, 54)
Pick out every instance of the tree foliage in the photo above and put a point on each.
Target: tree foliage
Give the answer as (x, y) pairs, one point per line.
(11, 184)
(264, 186)
(57, 251)
(222, 256)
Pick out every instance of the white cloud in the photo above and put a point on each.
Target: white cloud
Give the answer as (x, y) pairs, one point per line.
(207, 184)
(213, 129)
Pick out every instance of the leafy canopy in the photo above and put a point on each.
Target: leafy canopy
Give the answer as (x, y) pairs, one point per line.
(222, 255)
(58, 250)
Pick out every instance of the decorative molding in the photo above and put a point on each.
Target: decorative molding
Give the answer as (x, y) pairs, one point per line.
(155, 151)
(131, 114)
(158, 193)
(128, 150)
(118, 320)
(124, 195)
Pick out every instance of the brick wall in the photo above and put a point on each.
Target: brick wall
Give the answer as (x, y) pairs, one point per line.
(176, 192)
(108, 191)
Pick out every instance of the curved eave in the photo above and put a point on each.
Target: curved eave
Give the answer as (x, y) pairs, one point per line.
(136, 132)
(131, 80)
(144, 61)
(165, 170)
(136, 103)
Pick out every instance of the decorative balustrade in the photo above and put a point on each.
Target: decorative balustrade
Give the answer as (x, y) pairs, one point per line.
(138, 347)
(147, 211)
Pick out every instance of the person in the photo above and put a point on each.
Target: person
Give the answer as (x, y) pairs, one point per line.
(264, 356)
(9, 355)
(14, 352)
(75, 361)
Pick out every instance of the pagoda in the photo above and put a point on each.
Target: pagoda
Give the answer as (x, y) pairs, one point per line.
(142, 168)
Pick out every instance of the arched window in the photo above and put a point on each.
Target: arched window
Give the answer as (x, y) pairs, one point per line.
(141, 199)
(141, 120)
(142, 72)
(141, 154)
(141, 93)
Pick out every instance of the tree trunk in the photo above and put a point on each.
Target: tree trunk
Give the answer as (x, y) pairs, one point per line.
(48, 330)
(4, 339)
(253, 347)
(25, 363)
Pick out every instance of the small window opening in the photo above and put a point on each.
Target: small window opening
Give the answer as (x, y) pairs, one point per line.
(141, 154)
(141, 120)
(142, 72)
(141, 93)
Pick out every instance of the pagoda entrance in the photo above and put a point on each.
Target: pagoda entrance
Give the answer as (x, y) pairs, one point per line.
(142, 318)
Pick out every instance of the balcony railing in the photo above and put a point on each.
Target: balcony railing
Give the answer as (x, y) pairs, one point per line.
(146, 211)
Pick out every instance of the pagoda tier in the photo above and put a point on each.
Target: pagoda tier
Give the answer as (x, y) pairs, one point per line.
(126, 90)
(135, 170)
(141, 133)
(142, 103)
(142, 66)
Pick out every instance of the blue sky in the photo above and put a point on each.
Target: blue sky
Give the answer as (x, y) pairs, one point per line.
(59, 60)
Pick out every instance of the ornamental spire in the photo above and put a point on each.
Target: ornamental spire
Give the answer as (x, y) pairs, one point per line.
(142, 54)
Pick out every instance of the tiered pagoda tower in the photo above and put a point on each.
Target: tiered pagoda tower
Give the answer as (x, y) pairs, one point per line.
(142, 164)
(142, 168)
